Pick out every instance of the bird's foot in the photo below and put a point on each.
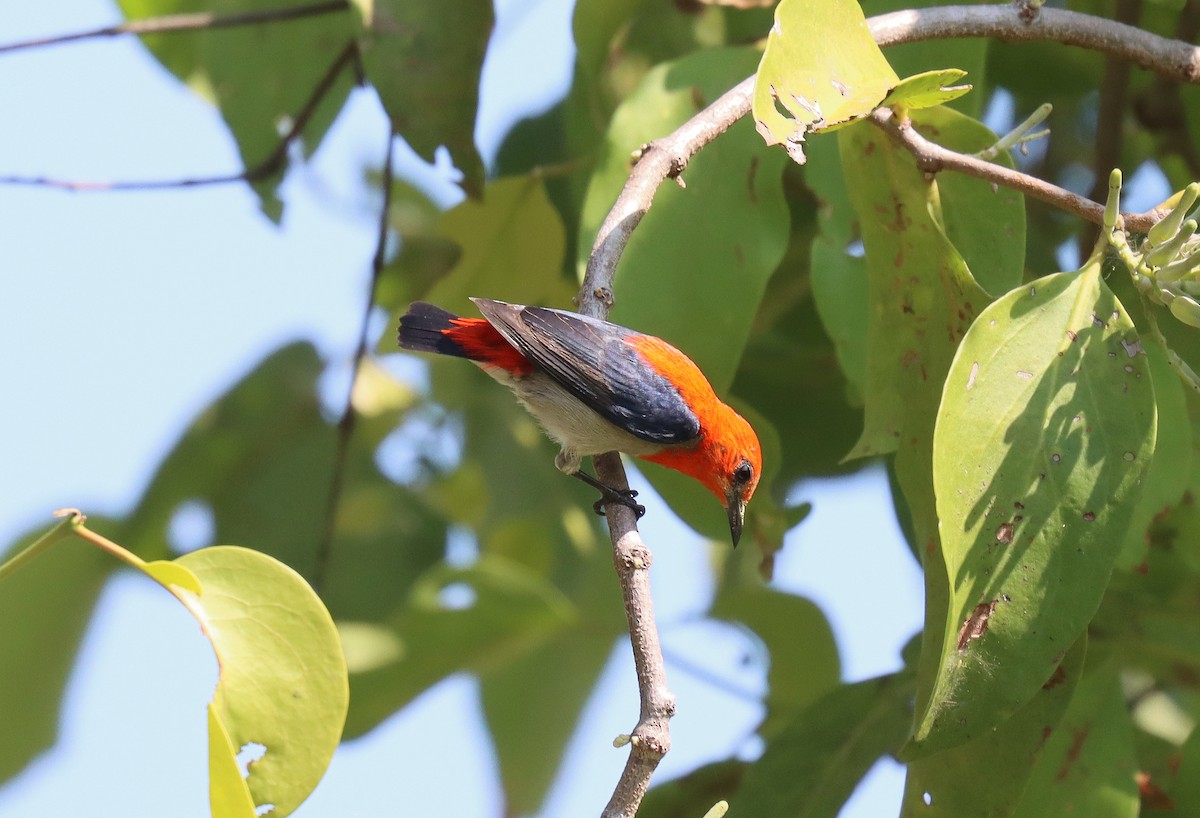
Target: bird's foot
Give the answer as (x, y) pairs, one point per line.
(608, 494)
(624, 497)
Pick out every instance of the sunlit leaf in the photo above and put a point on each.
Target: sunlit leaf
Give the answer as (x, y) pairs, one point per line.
(511, 249)
(821, 68)
(733, 193)
(1045, 430)
(282, 674)
(927, 90)
(228, 794)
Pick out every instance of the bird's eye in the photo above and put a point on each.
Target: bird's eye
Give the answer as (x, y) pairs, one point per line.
(744, 473)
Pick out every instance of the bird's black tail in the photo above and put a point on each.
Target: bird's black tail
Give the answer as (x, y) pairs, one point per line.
(423, 329)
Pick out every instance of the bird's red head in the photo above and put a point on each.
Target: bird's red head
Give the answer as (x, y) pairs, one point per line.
(727, 460)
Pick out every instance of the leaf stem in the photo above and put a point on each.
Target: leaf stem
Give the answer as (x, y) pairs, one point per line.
(42, 543)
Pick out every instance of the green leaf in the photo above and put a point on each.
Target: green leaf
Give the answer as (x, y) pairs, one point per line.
(927, 90)
(733, 191)
(511, 248)
(51, 598)
(257, 75)
(690, 795)
(967, 53)
(594, 24)
(1169, 470)
(282, 674)
(804, 661)
(840, 290)
(261, 459)
(922, 296)
(424, 58)
(167, 573)
(228, 794)
(821, 68)
(985, 777)
(811, 767)
(505, 612)
(1045, 429)
(1186, 792)
(554, 682)
(1088, 765)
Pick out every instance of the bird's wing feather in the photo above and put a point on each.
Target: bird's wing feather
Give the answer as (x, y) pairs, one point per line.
(590, 359)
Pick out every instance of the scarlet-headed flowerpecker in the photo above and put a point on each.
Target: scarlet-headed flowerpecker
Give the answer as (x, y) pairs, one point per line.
(597, 387)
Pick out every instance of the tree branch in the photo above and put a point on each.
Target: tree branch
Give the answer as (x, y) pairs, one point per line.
(349, 418)
(184, 22)
(1170, 58)
(668, 157)
(271, 164)
(933, 158)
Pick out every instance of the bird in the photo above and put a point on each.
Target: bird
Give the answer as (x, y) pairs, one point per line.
(597, 387)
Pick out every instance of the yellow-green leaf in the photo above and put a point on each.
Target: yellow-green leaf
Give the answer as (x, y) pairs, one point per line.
(821, 68)
(282, 679)
(228, 795)
(928, 89)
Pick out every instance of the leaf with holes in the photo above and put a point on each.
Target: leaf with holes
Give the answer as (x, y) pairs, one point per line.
(1046, 427)
(821, 68)
(282, 674)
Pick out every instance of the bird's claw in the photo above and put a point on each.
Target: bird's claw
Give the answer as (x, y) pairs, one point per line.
(625, 498)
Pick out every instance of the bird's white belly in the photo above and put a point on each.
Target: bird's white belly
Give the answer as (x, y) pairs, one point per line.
(579, 429)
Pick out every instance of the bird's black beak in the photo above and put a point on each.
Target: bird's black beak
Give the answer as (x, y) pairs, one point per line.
(737, 515)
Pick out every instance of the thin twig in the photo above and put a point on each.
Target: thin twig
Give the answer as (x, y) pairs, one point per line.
(272, 164)
(933, 158)
(349, 418)
(172, 23)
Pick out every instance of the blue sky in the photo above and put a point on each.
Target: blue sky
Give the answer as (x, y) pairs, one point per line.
(123, 314)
